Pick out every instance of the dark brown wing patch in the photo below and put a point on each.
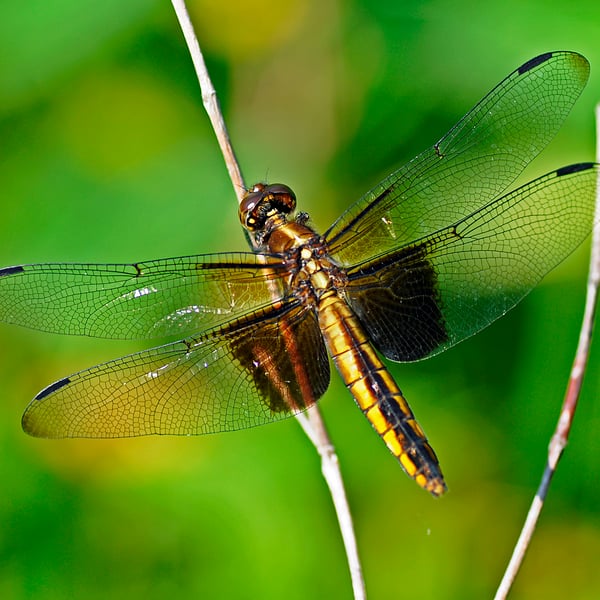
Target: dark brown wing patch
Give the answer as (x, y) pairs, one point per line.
(397, 302)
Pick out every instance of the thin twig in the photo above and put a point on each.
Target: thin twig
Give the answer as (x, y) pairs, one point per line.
(210, 99)
(565, 420)
(311, 422)
(314, 427)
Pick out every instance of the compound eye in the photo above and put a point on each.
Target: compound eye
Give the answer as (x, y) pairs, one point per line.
(282, 198)
(264, 201)
(248, 211)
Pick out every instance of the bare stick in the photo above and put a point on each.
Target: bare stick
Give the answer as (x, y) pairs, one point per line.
(314, 427)
(312, 422)
(209, 98)
(565, 420)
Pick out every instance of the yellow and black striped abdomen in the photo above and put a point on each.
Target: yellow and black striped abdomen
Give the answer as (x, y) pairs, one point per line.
(377, 394)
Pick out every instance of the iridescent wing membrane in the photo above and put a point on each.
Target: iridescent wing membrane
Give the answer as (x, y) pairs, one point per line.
(161, 298)
(425, 297)
(215, 381)
(470, 166)
(432, 254)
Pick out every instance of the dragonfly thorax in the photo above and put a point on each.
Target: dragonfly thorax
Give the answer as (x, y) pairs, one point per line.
(315, 274)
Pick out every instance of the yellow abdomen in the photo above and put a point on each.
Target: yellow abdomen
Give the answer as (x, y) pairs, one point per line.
(377, 394)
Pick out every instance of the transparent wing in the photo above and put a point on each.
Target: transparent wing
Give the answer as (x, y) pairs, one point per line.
(439, 290)
(176, 296)
(470, 166)
(239, 376)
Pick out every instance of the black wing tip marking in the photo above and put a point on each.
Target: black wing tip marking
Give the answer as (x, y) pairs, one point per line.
(535, 62)
(576, 168)
(53, 387)
(11, 271)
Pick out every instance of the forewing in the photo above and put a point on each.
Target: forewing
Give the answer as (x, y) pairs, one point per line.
(445, 287)
(235, 377)
(176, 296)
(470, 166)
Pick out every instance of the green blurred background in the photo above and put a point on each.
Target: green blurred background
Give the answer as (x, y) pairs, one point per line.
(106, 155)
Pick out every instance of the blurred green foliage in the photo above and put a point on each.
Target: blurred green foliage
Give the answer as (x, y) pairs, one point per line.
(107, 156)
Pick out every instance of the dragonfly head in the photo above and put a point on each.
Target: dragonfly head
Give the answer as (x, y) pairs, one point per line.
(262, 202)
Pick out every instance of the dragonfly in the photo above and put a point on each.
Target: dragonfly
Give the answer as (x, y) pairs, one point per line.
(431, 255)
